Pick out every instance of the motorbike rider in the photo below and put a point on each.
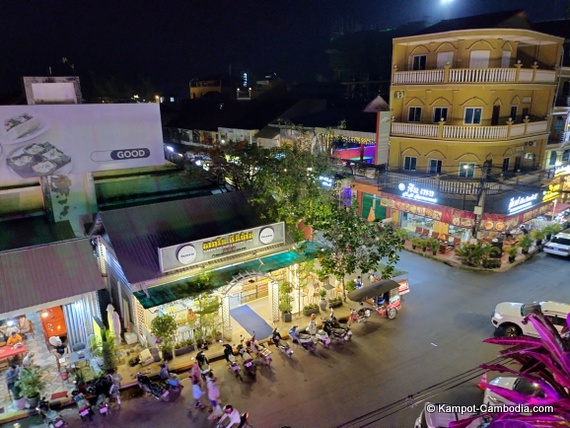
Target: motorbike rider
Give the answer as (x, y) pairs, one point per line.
(164, 372)
(202, 359)
(231, 414)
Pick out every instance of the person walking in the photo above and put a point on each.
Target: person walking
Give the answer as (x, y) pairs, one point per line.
(12, 377)
(358, 282)
(195, 373)
(213, 393)
(197, 395)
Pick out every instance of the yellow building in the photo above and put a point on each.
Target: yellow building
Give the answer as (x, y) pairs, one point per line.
(463, 97)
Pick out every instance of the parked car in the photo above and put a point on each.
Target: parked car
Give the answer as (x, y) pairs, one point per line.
(508, 317)
(518, 384)
(437, 415)
(559, 245)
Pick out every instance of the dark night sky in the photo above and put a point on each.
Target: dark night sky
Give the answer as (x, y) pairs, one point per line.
(169, 42)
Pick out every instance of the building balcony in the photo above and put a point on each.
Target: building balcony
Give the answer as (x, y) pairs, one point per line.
(441, 131)
(516, 74)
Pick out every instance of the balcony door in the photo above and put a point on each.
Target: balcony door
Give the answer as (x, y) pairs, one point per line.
(495, 117)
(479, 59)
(434, 166)
(444, 58)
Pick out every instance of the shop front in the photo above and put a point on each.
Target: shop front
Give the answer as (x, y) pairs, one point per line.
(210, 262)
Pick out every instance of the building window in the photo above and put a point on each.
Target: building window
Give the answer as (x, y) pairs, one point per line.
(439, 113)
(559, 124)
(409, 163)
(514, 113)
(553, 157)
(506, 164)
(419, 62)
(434, 166)
(565, 155)
(472, 115)
(466, 170)
(415, 114)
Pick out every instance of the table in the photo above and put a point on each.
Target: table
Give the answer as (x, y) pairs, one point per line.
(11, 351)
(75, 357)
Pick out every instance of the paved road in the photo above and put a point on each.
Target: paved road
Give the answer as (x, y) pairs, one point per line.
(436, 337)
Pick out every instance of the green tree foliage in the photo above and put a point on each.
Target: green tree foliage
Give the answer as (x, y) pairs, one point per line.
(164, 328)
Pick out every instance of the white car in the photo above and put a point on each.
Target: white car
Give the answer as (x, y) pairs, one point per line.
(437, 415)
(518, 384)
(559, 245)
(507, 317)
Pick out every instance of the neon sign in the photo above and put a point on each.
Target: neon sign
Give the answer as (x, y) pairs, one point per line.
(411, 191)
(521, 203)
(562, 170)
(552, 193)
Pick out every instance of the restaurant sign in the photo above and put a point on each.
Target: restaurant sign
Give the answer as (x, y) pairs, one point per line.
(204, 250)
(411, 191)
(520, 203)
(551, 193)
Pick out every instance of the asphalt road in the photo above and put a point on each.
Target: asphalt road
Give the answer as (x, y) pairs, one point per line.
(433, 345)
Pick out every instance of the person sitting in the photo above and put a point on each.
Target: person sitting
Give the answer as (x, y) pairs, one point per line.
(59, 346)
(3, 338)
(14, 339)
(25, 326)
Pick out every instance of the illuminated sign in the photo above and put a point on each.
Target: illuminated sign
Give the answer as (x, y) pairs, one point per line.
(411, 191)
(562, 170)
(522, 203)
(552, 193)
(326, 181)
(187, 254)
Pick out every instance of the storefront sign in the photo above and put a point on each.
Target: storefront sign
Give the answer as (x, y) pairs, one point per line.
(204, 250)
(562, 170)
(552, 193)
(326, 181)
(521, 203)
(411, 191)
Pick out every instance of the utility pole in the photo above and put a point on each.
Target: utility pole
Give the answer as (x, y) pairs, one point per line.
(478, 210)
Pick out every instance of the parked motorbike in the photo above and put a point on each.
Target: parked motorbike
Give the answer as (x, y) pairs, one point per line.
(281, 344)
(243, 421)
(152, 388)
(83, 406)
(231, 359)
(203, 363)
(169, 380)
(305, 340)
(50, 417)
(261, 352)
(247, 359)
(322, 338)
(361, 315)
(336, 332)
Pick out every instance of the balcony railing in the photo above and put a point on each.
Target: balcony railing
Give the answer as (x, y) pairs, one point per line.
(470, 132)
(516, 74)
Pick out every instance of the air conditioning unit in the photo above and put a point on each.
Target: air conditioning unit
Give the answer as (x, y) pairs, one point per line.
(399, 94)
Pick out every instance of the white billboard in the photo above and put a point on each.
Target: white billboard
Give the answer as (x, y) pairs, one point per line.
(203, 250)
(43, 140)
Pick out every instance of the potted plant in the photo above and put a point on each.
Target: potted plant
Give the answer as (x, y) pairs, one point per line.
(323, 303)
(471, 254)
(433, 244)
(164, 328)
(18, 400)
(184, 347)
(311, 308)
(402, 234)
(31, 384)
(424, 243)
(537, 235)
(335, 302)
(512, 251)
(416, 242)
(490, 262)
(285, 300)
(525, 241)
(109, 351)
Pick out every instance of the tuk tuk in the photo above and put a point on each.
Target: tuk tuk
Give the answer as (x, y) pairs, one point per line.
(384, 296)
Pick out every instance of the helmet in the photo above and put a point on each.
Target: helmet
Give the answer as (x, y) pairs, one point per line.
(313, 316)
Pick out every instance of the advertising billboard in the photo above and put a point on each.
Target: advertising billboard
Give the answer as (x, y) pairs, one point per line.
(44, 140)
(204, 250)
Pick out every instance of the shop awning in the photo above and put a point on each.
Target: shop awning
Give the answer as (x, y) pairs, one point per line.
(47, 273)
(185, 288)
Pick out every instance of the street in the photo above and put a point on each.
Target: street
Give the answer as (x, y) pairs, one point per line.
(426, 350)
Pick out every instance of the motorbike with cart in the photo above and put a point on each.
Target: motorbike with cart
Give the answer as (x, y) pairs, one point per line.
(384, 296)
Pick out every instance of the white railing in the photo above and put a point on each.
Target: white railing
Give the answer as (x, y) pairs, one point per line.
(423, 76)
(481, 75)
(474, 75)
(469, 132)
(475, 132)
(422, 130)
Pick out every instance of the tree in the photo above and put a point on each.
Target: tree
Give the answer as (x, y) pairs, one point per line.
(351, 242)
(545, 361)
(164, 328)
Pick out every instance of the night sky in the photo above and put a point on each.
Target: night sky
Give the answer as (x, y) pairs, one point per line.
(166, 43)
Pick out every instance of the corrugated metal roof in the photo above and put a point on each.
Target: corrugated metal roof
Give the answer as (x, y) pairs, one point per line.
(136, 233)
(46, 273)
